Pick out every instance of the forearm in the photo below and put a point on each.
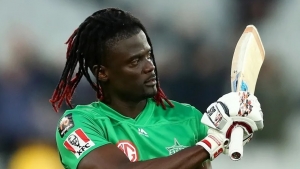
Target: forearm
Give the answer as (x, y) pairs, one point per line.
(191, 157)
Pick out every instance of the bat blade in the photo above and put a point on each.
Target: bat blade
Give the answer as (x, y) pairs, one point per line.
(247, 60)
(248, 57)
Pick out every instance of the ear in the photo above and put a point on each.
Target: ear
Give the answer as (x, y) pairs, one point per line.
(100, 73)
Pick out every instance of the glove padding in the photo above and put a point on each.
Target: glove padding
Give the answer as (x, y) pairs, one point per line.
(214, 143)
(235, 109)
(249, 110)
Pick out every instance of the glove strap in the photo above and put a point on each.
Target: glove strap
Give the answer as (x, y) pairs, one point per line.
(212, 145)
(242, 124)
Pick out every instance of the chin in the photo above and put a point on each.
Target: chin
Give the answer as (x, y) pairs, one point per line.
(151, 92)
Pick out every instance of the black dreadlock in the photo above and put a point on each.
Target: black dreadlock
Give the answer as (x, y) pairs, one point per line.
(86, 46)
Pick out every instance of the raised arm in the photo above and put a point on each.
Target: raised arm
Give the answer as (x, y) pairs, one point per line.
(110, 157)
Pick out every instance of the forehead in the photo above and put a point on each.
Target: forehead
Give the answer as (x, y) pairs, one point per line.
(133, 45)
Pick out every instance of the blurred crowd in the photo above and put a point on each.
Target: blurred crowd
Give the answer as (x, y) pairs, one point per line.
(193, 44)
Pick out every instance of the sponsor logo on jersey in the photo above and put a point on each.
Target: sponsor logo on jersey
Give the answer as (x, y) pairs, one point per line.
(176, 147)
(78, 142)
(142, 132)
(129, 149)
(65, 124)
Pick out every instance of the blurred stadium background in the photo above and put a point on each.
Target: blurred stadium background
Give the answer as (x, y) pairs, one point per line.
(193, 43)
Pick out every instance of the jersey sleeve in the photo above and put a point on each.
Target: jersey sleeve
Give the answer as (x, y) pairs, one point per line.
(78, 134)
(201, 128)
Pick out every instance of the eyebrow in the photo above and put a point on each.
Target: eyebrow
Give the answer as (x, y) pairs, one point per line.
(137, 55)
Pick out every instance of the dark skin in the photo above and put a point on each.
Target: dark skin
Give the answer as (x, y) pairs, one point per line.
(125, 79)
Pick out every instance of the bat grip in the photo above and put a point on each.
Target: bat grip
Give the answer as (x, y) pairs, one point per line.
(236, 143)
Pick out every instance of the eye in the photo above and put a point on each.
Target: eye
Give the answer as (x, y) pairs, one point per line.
(135, 62)
(148, 55)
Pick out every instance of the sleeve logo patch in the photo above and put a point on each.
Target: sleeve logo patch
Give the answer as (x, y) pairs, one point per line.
(78, 142)
(129, 149)
(65, 124)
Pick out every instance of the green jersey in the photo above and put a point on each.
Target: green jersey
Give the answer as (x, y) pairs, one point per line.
(154, 133)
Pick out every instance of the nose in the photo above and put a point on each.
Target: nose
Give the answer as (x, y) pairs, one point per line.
(149, 66)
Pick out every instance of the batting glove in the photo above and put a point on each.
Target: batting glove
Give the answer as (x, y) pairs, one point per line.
(235, 109)
(214, 143)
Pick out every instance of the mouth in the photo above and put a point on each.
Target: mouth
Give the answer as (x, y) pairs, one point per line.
(151, 81)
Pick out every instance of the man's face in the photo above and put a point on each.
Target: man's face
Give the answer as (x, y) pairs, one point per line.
(130, 70)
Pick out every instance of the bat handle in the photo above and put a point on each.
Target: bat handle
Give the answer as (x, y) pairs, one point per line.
(236, 144)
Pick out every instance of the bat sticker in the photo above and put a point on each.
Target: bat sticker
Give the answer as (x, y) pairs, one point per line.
(244, 86)
(245, 104)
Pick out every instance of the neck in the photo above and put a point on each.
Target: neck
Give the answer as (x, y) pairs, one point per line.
(127, 108)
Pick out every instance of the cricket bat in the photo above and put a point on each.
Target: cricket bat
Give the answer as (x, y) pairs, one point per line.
(248, 57)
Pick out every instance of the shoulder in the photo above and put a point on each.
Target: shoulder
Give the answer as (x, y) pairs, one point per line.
(84, 111)
(181, 105)
(80, 116)
(180, 110)
(79, 131)
(185, 107)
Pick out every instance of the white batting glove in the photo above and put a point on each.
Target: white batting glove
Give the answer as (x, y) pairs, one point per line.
(249, 110)
(214, 143)
(235, 109)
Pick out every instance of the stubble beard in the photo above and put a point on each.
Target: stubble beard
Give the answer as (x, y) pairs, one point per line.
(150, 92)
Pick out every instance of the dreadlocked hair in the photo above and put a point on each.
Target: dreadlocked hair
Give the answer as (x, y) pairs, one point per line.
(86, 48)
